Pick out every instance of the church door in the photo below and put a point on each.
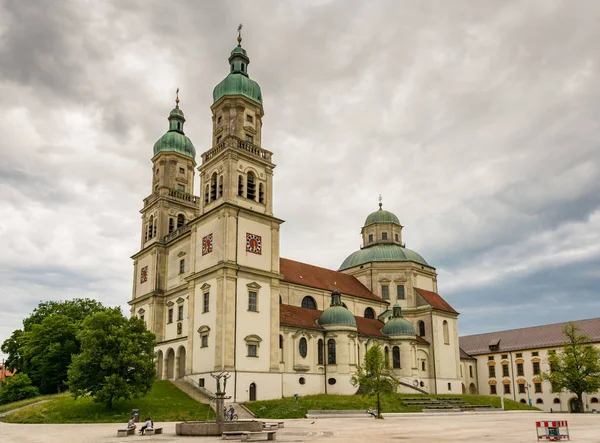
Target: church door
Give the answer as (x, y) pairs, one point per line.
(253, 392)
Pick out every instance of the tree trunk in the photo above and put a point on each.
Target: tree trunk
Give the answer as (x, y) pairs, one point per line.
(378, 407)
(580, 401)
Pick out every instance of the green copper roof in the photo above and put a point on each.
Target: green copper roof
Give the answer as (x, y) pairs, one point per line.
(175, 139)
(379, 253)
(381, 216)
(238, 82)
(398, 325)
(336, 314)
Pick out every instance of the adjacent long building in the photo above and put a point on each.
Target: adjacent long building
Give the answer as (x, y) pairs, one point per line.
(210, 283)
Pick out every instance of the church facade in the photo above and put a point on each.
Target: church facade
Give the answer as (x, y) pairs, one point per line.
(210, 283)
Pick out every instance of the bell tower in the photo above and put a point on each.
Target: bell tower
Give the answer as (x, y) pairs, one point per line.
(237, 169)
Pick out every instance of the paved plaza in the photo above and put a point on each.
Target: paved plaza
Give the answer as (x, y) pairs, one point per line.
(407, 428)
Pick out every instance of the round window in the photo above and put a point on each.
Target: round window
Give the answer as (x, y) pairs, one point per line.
(302, 380)
(331, 381)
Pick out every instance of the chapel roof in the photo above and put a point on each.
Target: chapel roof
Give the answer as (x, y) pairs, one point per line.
(435, 300)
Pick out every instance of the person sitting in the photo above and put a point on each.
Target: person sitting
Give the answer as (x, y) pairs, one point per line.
(148, 424)
(370, 411)
(131, 423)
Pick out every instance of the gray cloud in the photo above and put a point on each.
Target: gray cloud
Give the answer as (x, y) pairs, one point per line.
(476, 121)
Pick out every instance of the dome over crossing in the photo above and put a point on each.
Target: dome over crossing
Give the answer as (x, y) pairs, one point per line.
(398, 325)
(382, 253)
(337, 314)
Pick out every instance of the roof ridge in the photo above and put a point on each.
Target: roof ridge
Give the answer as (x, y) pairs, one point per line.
(530, 327)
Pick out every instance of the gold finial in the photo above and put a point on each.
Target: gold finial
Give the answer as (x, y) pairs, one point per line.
(380, 199)
(239, 38)
(177, 98)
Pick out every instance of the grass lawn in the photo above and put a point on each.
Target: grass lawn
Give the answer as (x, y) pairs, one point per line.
(18, 404)
(165, 402)
(286, 407)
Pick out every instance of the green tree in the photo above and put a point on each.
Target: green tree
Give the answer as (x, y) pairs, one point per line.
(373, 376)
(43, 348)
(575, 367)
(18, 387)
(116, 359)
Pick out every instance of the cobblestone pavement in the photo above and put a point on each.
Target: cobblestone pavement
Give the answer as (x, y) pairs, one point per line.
(409, 428)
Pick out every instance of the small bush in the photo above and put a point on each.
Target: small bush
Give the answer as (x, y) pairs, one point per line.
(18, 387)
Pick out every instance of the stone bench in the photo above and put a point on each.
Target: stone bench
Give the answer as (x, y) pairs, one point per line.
(153, 431)
(125, 432)
(246, 435)
(232, 435)
(272, 424)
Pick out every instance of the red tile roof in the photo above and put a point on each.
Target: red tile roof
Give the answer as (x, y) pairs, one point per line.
(546, 336)
(321, 278)
(435, 301)
(298, 317)
(4, 372)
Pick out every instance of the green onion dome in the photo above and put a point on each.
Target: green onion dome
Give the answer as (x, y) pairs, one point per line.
(398, 325)
(337, 314)
(175, 139)
(381, 216)
(387, 252)
(238, 82)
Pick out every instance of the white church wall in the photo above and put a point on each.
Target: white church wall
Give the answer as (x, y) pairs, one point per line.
(204, 357)
(245, 258)
(424, 282)
(268, 385)
(147, 261)
(178, 252)
(302, 384)
(214, 227)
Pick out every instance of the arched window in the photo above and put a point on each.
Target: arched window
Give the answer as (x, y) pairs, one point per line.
(213, 187)
(309, 303)
(421, 325)
(261, 193)
(523, 401)
(557, 400)
(251, 186)
(320, 352)
(240, 186)
(303, 347)
(180, 221)
(369, 313)
(396, 357)
(206, 194)
(220, 186)
(594, 400)
(386, 356)
(151, 227)
(171, 225)
(539, 401)
(331, 352)
(446, 333)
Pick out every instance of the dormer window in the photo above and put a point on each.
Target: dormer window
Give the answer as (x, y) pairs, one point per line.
(384, 235)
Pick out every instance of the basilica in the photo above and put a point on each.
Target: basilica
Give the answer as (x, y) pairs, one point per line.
(210, 283)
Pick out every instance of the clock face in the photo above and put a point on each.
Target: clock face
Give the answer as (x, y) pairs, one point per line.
(207, 244)
(253, 243)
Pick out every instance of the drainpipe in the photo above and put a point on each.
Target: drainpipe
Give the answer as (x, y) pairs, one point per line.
(433, 349)
(325, 361)
(235, 302)
(512, 376)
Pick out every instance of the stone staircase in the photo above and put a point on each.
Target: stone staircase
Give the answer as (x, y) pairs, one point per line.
(196, 392)
(442, 403)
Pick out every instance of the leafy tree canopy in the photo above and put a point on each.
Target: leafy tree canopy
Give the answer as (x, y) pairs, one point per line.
(374, 377)
(116, 358)
(575, 367)
(18, 387)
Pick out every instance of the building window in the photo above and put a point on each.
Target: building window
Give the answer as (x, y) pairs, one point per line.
(422, 365)
(369, 313)
(470, 371)
(240, 186)
(181, 187)
(181, 170)
(504, 356)
(219, 119)
(521, 388)
(331, 381)
(252, 301)
(539, 401)
(180, 221)
(370, 238)
(302, 380)
(249, 138)
(250, 186)
(490, 357)
(331, 360)
(538, 388)
(180, 313)
(206, 302)
(201, 382)
(320, 352)
(249, 118)
(220, 186)
(507, 389)
(535, 354)
(504, 370)
(182, 266)
(446, 333)
(449, 386)
(493, 389)
(204, 341)
(520, 369)
(400, 292)
(421, 328)
(593, 400)
(252, 350)
(261, 193)
(557, 400)
(385, 292)
(142, 318)
(309, 303)
(219, 138)
(492, 371)
(384, 235)
(213, 186)
(396, 357)
(171, 225)
(303, 347)
(536, 367)
(396, 237)
(519, 355)
(156, 187)
(170, 316)
(206, 194)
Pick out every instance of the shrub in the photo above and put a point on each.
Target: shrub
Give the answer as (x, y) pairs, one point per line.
(18, 387)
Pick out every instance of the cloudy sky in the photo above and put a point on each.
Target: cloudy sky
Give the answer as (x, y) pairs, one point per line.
(477, 122)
